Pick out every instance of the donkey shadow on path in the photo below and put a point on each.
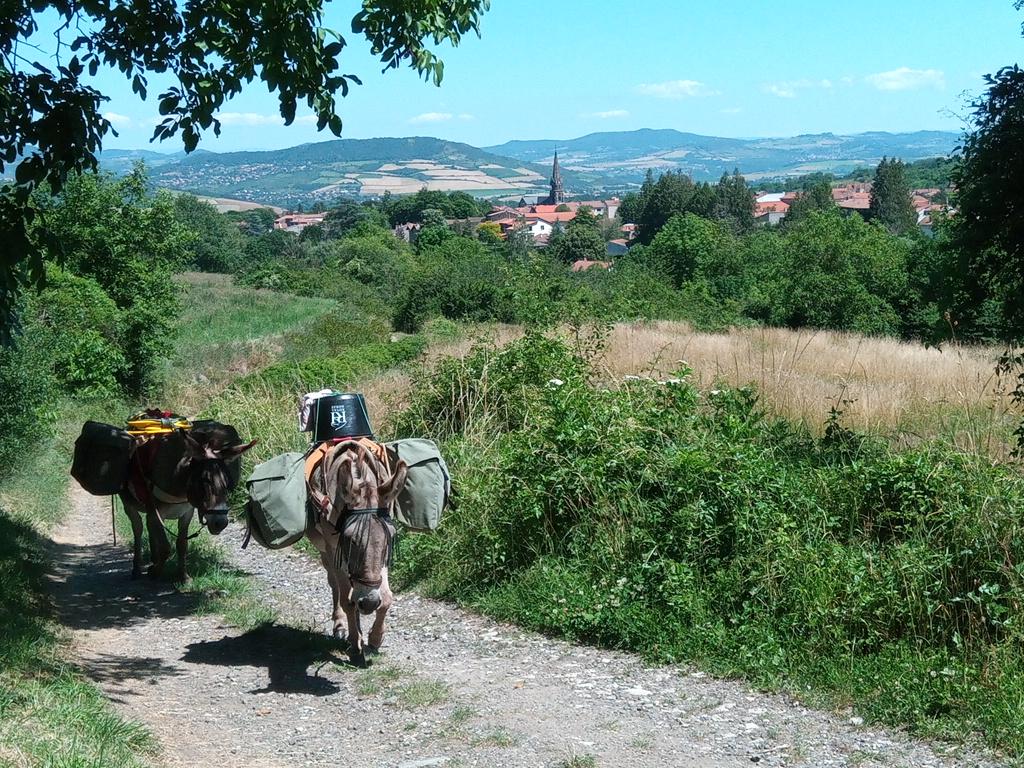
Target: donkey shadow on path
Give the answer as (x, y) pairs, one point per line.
(287, 652)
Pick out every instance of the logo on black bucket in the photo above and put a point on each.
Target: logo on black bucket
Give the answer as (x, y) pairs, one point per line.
(341, 416)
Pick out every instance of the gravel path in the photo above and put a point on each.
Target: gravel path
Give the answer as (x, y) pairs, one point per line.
(450, 688)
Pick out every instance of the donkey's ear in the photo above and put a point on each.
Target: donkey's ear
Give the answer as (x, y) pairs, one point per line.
(235, 451)
(389, 491)
(192, 446)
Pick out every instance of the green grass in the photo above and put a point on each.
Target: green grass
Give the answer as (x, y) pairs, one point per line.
(49, 715)
(226, 330)
(643, 742)
(422, 693)
(498, 736)
(579, 761)
(461, 715)
(377, 678)
(218, 312)
(690, 526)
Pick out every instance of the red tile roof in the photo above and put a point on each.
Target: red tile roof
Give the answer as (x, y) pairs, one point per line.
(552, 217)
(860, 202)
(760, 209)
(584, 264)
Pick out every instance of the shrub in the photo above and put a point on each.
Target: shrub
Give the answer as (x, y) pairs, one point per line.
(77, 334)
(692, 525)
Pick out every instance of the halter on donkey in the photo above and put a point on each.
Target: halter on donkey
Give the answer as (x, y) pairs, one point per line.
(353, 490)
(175, 473)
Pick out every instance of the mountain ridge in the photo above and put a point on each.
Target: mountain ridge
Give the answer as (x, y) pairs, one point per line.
(601, 163)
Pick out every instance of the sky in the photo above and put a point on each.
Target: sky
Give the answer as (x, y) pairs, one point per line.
(736, 68)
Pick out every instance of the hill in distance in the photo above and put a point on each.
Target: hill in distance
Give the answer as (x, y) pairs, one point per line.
(621, 156)
(358, 167)
(596, 164)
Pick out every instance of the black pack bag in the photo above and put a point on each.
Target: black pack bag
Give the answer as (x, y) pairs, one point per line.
(100, 463)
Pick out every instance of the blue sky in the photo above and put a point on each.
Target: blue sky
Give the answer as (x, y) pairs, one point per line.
(727, 68)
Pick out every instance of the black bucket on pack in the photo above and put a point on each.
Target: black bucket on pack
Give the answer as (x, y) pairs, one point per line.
(100, 463)
(340, 417)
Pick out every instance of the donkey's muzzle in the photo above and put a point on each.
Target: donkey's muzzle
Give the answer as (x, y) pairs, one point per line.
(369, 604)
(216, 522)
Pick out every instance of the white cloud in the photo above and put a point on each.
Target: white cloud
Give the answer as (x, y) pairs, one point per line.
(787, 89)
(249, 118)
(117, 119)
(432, 117)
(466, 116)
(306, 120)
(610, 114)
(674, 89)
(906, 79)
(782, 90)
(732, 110)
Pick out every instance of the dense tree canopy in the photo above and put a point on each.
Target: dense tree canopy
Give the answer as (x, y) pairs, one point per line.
(674, 193)
(734, 202)
(52, 115)
(581, 239)
(989, 229)
(891, 205)
(816, 197)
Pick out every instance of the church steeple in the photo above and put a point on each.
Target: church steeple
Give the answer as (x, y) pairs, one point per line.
(557, 195)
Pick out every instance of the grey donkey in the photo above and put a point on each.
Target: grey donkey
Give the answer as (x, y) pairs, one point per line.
(354, 534)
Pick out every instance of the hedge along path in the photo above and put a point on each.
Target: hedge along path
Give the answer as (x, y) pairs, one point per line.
(450, 688)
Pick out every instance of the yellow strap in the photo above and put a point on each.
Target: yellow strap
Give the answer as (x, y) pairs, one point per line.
(156, 426)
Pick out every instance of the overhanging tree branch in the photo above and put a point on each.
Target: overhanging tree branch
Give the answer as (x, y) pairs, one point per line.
(51, 124)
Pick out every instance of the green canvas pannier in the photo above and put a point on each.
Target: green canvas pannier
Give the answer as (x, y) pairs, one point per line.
(102, 454)
(276, 509)
(428, 486)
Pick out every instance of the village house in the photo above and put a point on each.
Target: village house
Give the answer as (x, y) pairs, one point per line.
(770, 209)
(296, 222)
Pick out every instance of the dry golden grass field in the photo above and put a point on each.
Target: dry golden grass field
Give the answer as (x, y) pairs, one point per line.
(884, 386)
(901, 390)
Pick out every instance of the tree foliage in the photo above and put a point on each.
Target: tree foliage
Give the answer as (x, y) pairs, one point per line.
(839, 273)
(734, 203)
(347, 215)
(451, 205)
(891, 205)
(989, 229)
(217, 243)
(669, 196)
(817, 197)
(52, 115)
(130, 244)
(581, 240)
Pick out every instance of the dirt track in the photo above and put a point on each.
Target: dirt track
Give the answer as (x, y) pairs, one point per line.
(449, 689)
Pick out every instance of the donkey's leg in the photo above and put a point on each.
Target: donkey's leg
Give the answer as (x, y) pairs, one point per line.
(355, 633)
(182, 545)
(159, 548)
(332, 579)
(136, 520)
(376, 638)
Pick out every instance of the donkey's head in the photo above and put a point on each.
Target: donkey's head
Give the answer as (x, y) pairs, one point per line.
(210, 478)
(364, 493)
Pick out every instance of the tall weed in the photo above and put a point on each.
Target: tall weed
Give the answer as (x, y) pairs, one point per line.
(690, 524)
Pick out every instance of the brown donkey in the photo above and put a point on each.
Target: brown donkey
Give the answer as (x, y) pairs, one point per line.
(354, 490)
(174, 476)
